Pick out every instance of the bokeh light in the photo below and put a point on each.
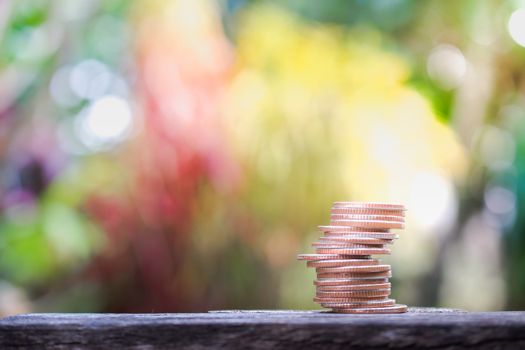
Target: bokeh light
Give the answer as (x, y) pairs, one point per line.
(104, 122)
(516, 26)
(447, 66)
(433, 202)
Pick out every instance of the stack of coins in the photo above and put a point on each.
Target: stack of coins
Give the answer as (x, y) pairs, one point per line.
(349, 280)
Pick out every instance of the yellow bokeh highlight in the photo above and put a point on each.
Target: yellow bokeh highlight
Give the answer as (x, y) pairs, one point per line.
(299, 84)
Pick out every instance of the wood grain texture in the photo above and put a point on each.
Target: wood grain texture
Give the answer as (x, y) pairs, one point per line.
(419, 328)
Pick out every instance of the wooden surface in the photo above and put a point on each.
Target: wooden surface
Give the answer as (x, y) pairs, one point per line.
(421, 328)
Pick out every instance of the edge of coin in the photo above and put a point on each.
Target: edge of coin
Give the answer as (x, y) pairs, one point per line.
(342, 262)
(349, 281)
(368, 223)
(396, 309)
(371, 205)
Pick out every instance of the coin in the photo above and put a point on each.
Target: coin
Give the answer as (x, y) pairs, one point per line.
(360, 304)
(366, 211)
(352, 251)
(346, 245)
(367, 217)
(384, 274)
(397, 308)
(368, 286)
(374, 235)
(349, 281)
(368, 223)
(314, 257)
(355, 239)
(349, 235)
(352, 230)
(347, 299)
(342, 262)
(340, 269)
(339, 244)
(349, 229)
(369, 205)
(354, 293)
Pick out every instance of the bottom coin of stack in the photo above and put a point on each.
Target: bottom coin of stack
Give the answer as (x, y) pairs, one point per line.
(349, 280)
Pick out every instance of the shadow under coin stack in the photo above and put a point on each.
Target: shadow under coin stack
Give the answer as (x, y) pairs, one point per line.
(349, 280)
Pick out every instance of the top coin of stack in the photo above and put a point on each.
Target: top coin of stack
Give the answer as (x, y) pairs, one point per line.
(349, 280)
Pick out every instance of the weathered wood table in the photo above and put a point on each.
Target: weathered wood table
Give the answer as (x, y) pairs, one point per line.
(420, 328)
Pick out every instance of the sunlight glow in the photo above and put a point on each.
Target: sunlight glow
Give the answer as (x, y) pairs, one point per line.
(105, 122)
(516, 26)
(433, 202)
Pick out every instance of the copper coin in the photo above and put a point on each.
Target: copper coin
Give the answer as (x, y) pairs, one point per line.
(352, 251)
(382, 274)
(368, 286)
(349, 281)
(360, 304)
(361, 238)
(368, 223)
(339, 244)
(366, 211)
(340, 269)
(359, 299)
(355, 239)
(372, 235)
(354, 293)
(367, 217)
(369, 205)
(342, 262)
(351, 230)
(396, 309)
(314, 257)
